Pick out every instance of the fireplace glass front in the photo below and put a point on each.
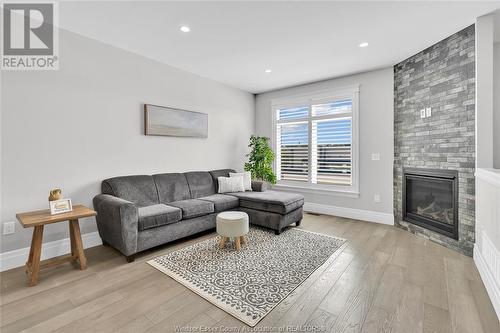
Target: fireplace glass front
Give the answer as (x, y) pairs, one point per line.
(430, 199)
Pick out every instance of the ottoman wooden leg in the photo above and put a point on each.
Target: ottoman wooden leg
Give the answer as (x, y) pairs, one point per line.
(242, 239)
(222, 241)
(237, 243)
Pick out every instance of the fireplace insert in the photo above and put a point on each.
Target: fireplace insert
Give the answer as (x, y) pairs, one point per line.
(430, 199)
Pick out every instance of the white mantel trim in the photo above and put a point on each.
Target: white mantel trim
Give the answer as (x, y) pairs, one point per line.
(491, 176)
(487, 261)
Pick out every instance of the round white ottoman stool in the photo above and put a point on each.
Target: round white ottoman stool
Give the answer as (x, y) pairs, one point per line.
(232, 225)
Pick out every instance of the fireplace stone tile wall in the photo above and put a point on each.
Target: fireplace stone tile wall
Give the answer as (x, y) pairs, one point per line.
(441, 77)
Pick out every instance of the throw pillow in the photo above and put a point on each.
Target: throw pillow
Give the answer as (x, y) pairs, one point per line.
(247, 179)
(231, 184)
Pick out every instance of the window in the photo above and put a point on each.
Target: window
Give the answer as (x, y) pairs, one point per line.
(315, 140)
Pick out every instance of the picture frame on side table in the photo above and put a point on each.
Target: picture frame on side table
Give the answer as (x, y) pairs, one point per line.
(60, 206)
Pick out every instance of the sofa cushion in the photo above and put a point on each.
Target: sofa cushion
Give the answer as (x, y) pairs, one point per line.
(230, 184)
(140, 190)
(172, 187)
(247, 179)
(222, 202)
(219, 173)
(200, 184)
(193, 207)
(270, 201)
(157, 215)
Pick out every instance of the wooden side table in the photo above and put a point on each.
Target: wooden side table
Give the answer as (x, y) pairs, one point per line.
(37, 220)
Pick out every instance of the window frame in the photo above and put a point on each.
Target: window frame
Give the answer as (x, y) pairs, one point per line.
(309, 99)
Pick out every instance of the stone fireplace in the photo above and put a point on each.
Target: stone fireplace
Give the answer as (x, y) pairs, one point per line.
(430, 200)
(434, 142)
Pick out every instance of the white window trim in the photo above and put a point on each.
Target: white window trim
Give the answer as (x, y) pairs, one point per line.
(296, 100)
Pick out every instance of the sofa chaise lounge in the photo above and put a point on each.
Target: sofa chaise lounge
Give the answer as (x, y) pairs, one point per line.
(136, 213)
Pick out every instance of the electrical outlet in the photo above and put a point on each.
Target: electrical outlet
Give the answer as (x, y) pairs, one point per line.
(422, 113)
(428, 112)
(376, 198)
(9, 228)
(375, 157)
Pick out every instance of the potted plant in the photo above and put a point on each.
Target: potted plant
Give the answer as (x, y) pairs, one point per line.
(260, 161)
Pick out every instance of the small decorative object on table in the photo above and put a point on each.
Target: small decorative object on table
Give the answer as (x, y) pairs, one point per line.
(57, 204)
(55, 194)
(232, 225)
(38, 220)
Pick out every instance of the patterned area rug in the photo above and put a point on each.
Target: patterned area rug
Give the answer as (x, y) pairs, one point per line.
(248, 284)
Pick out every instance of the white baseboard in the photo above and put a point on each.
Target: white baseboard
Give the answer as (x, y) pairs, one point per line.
(356, 214)
(487, 261)
(17, 258)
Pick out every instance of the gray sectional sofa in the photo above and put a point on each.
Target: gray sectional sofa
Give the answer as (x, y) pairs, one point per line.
(136, 213)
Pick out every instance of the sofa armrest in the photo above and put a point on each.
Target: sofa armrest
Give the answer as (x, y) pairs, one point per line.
(259, 186)
(117, 222)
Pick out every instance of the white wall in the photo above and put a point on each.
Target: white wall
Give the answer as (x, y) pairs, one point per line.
(484, 91)
(487, 247)
(376, 134)
(496, 105)
(74, 127)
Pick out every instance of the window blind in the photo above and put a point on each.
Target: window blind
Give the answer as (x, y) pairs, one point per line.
(314, 143)
(333, 151)
(293, 141)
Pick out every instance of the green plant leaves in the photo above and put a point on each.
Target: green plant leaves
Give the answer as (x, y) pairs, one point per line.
(260, 159)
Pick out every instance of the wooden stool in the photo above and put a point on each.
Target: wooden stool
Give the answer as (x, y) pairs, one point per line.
(38, 220)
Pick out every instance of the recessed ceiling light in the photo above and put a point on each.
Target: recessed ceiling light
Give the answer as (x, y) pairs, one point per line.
(268, 71)
(185, 28)
(364, 44)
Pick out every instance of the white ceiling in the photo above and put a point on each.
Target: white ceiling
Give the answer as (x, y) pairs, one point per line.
(301, 41)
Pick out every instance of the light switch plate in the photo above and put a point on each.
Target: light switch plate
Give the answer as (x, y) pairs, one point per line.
(375, 157)
(428, 112)
(422, 113)
(376, 198)
(9, 228)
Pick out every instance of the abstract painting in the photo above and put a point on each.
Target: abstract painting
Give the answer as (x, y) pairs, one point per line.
(165, 121)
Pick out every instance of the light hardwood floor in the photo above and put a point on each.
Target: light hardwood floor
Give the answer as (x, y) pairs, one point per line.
(385, 280)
